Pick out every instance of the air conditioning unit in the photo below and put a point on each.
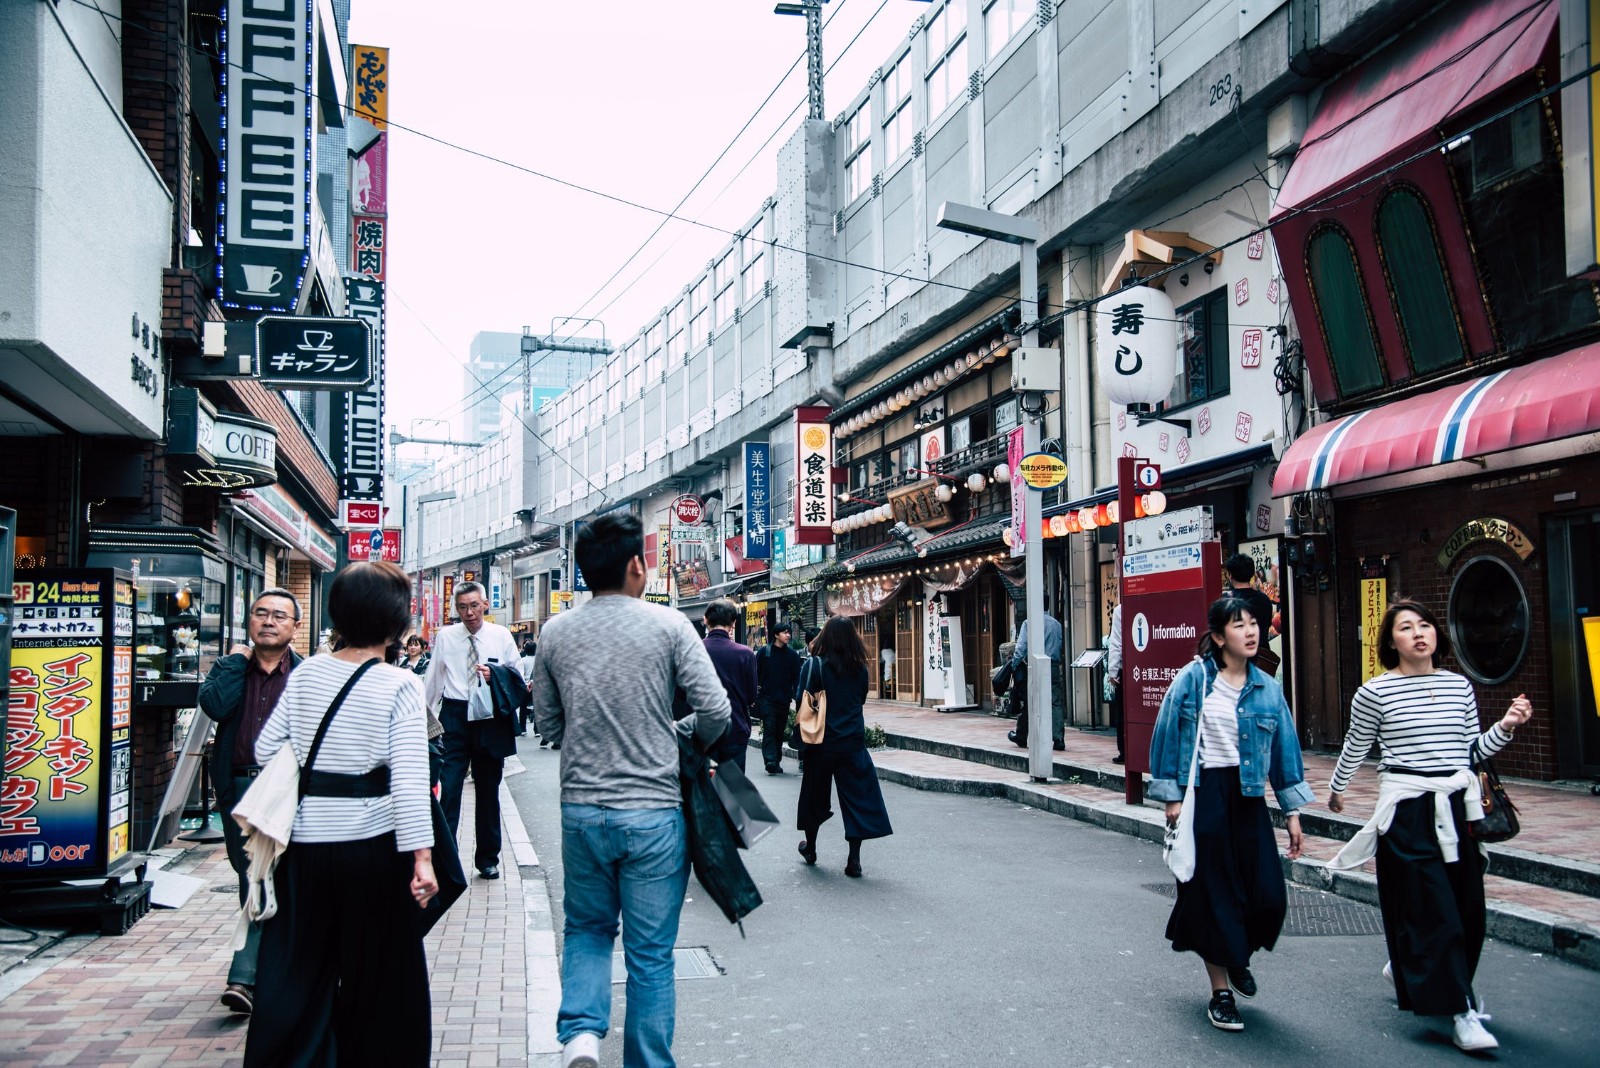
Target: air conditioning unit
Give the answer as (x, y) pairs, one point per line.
(1506, 148)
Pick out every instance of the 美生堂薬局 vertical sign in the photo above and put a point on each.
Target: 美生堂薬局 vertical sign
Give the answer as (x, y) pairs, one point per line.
(813, 483)
(265, 211)
(757, 500)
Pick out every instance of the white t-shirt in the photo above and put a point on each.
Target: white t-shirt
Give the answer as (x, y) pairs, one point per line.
(1219, 726)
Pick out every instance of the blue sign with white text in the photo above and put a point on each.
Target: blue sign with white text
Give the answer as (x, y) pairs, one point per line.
(757, 500)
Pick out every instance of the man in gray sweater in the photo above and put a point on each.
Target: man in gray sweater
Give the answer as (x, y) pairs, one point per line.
(603, 686)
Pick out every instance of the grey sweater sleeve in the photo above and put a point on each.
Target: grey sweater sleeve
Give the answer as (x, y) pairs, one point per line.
(708, 701)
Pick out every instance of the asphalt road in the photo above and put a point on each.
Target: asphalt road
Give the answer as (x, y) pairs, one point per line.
(987, 932)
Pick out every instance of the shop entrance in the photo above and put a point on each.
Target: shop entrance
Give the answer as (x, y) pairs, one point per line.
(1575, 597)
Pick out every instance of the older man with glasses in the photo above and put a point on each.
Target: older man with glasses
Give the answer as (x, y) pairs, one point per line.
(240, 693)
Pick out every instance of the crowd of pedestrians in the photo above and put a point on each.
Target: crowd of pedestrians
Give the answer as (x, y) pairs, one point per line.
(350, 748)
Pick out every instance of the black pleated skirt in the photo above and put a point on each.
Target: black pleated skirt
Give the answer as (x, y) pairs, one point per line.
(1236, 901)
(1433, 912)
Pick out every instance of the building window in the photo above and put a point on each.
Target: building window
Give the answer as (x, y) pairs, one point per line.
(947, 56)
(655, 335)
(1003, 20)
(1202, 349)
(727, 302)
(1489, 620)
(654, 366)
(528, 592)
(857, 153)
(1416, 274)
(755, 270)
(897, 105)
(897, 133)
(674, 319)
(1342, 312)
(697, 329)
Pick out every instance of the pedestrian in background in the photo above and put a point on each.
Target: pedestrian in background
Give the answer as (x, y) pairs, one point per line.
(777, 675)
(530, 649)
(461, 661)
(416, 657)
(1235, 714)
(1430, 871)
(603, 689)
(1114, 693)
(239, 693)
(1053, 646)
(736, 667)
(343, 974)
(838, 667)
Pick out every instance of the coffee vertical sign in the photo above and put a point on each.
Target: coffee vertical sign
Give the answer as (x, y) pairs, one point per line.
(265, 210)
(358, 426)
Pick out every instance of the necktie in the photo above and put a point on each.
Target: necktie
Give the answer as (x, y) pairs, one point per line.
(472, 659)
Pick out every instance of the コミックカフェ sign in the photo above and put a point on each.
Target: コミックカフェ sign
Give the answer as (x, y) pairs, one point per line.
(358, 414)
(813, 483)
(265, 209)
(301, 352)
(1488, 528)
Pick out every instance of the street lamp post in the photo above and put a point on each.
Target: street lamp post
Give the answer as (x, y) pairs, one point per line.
(422, 500)
(1025, 234)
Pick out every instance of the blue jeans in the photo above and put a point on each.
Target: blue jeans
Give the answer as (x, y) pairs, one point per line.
(632, 864)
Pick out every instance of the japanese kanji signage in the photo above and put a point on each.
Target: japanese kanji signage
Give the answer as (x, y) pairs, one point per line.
(358, 422)
(1136, 333)
(65, 793)
(757, 500)
(266, 155)
(302, 352)
(813, 483)
(368, 235)
(375, 545)
(1019, 493)
(370, 95)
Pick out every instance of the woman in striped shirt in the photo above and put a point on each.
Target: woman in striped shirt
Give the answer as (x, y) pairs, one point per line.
(1430, 872)
(343, 976)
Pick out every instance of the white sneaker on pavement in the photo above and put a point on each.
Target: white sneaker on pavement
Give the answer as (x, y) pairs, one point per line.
(1388, 970)
(1470, 1033)
(582, 1050)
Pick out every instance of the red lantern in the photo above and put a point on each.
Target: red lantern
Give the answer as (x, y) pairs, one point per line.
(1102, 515)
(1044, 529)
(1073, 526)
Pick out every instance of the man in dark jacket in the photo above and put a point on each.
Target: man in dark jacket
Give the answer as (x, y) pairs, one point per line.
(240, 693)
(777, 675)
(736, 667)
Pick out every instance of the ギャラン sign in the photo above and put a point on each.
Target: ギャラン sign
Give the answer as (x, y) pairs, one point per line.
(1042, 471)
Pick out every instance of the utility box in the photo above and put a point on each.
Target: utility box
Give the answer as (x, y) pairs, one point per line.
(1036, 370)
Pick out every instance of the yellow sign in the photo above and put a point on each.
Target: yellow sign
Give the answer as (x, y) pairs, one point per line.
(664, 550)
(560, 600)
(1042, 471)
(1591, 637)
(1374, 602)
(370, 91)
(755, 617)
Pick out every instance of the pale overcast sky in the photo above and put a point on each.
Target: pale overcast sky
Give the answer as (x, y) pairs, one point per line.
(633, 98)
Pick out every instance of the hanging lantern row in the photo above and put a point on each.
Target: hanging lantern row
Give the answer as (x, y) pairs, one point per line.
(883, 513)
(927, 385)
(1099, 515)
(912, 572)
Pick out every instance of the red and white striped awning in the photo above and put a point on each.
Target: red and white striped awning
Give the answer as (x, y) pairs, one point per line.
(1551, 399)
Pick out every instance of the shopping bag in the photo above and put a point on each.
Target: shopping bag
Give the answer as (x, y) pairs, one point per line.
(447, 870)
(480, 703)
(747, 809)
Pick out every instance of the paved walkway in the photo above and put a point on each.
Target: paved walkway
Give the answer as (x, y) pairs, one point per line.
(149, 997)
(1555, 860)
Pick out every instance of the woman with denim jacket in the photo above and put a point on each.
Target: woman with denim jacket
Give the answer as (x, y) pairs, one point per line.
(1236, 900)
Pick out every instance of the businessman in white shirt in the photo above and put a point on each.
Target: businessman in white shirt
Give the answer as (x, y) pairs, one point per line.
(462, 653)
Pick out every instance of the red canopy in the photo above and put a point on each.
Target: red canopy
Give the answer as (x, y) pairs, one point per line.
(1555, 398)
(1405, 92)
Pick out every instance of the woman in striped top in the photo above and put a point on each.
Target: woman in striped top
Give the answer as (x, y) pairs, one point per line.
(1430, 873)
(343, 977)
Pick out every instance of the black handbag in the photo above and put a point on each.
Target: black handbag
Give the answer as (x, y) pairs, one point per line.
(1499, 823)
(447, 870)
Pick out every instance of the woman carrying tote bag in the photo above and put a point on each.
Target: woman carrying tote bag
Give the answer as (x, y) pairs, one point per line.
(1226, 718)
(1430, 871)
(838, 668)
(343, 978)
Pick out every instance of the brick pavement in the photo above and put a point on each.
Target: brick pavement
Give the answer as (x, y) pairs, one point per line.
(149, 997)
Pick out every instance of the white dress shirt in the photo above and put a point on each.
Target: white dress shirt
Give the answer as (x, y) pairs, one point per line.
(449, 677)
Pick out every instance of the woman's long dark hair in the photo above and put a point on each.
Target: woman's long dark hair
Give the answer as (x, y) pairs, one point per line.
(840, 647)
(1223, 610)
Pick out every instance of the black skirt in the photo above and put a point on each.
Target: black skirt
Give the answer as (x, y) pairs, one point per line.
(1236, 901)
(860, 796)
(1433, 912)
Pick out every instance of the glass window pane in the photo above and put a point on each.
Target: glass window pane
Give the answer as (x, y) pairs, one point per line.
(1417, 278)
(1341, 306)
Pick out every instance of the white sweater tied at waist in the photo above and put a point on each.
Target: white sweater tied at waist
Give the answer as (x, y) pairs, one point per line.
(1397, 786)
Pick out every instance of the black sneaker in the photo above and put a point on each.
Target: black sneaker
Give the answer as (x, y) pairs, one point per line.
(1223, 1012)
(1243, 983)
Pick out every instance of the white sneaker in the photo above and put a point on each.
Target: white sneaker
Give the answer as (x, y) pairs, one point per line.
(1388, 970)
(582, 1050)
(1470, 1034)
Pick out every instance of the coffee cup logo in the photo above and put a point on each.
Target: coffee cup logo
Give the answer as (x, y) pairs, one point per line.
(316, 341)
(261, 279)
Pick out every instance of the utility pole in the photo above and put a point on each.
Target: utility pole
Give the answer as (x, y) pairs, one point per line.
(812, 10)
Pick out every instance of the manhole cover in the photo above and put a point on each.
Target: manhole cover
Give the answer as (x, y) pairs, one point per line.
(1313, 912)
(689, 962)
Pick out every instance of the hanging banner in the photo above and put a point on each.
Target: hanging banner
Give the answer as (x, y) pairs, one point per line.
(368, 238)
(1374, 602)
(65, 796)
(664, 550)
(1019, 493)
(933, 665)
(757, 501)
(813, 482)
(266, 155)
(370, 74)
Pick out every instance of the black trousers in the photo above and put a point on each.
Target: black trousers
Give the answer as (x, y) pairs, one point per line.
(1433, 912)
(463, 748)
(1116, 717)
(774, 721)
(860, 796)
(343, 975)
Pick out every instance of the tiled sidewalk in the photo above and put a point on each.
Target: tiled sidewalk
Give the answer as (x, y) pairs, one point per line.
(149, 997)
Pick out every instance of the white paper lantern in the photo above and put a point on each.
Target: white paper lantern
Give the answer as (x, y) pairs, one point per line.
(1005, 536)
(885, 513)
(975, 481)
(943, 492)
(1058, 525)
(1086, 519)
(1136, 336)
(1114, 511)
(938, 378)
(956, 370)
(1155, 502)
(918, 391)
(1002, 472)
(928, 384)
